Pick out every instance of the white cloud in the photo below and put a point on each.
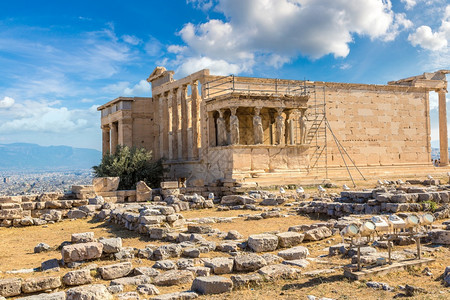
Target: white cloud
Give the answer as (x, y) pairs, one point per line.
(438, 40)
(281, 30)
(6, 102)
(116, 88)
(153, 47)
(217, 67)
(409, 4)
(201, 4)
(176, 49)
(427, 39)
(131, 39)
(142, 88)
(42, 116)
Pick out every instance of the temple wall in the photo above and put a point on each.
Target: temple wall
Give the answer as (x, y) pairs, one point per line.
(377, 126)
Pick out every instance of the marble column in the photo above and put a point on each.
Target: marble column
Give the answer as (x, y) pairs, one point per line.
(221, 130)
(443, 135)
(279, 127)
(195, 119)
(290, 133)
(170, 124)
(175, 122)
(302, 126)
(258, 133)
(114, 137)
(106, 147)
(183, 128)
(125, 129)
(234, 127)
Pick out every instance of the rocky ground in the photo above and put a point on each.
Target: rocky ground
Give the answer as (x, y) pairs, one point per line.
(225, 251)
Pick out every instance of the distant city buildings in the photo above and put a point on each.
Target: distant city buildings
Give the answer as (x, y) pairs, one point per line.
(36, 183)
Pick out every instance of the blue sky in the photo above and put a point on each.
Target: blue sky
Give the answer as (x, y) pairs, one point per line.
(59, 60)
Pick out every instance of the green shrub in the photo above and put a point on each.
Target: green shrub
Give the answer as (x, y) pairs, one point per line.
(131, 165)
(433, 205)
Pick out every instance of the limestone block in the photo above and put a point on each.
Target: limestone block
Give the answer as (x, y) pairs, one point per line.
(77, 277)
(440, 237)
(237, 200)
(317, 234)
(200, 271)
(220, 265)
(105, 184)
(10, 287)
(115, 271)
(289, 239)
(111, 245)
(165, 264)
(246, 281)
(13, 213)
(263, 242)
(274, 272)
(80, 252)
(301, 263)
(84, 237)
(174, 277)
(298, 252)
(177, 296)
(45, 296)
(91, 292)
(249, 262)
(147, 289)
(212, 285)
(201, 229)
(76, 214)
(151, 220)
(169, 184)
(143, 192)
(135, 280)
(147, 271)
(32, 285)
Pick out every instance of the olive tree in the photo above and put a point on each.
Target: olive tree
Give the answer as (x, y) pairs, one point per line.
(130, 165)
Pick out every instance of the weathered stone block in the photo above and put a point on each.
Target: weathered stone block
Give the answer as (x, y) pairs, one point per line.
(10, 287)
(79, 252)
(249, 262)
(89, 292)
(32, 285)
(115, 271)
(77, 277)
(84, 237)
(263, 242)
(294, 253)
(212, 285)
(220, 265)
(289, 239)
(174, 277)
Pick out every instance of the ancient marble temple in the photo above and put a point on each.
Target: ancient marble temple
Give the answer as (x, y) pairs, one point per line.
(210, 129)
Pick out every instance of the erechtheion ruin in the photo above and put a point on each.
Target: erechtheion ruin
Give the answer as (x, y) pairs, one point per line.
(211, 128)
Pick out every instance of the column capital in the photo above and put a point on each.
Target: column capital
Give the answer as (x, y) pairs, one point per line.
(106, 127)
(194, 83)
(280, 110)
(257, 110)
(233, 110)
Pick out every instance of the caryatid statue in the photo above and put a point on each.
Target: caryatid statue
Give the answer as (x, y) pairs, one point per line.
(279, 127)
(221, 130)
(303, 128)
(234, 127)
(258, 132)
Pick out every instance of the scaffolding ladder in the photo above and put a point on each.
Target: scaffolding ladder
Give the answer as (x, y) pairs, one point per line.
(316, 136)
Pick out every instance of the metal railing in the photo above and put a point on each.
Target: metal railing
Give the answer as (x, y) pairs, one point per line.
(234, 84)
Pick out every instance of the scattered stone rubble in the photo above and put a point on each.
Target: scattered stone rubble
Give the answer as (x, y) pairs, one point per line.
(181, 260)
(395, 199)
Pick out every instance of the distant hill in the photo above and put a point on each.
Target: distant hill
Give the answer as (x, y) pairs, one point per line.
(32, 157)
